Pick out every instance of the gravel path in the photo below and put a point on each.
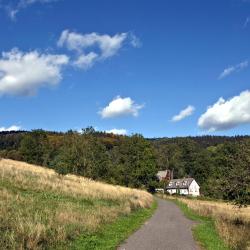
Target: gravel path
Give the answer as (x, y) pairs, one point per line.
(168, 229)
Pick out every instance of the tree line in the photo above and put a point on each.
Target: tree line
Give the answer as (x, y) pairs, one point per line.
(221, 165)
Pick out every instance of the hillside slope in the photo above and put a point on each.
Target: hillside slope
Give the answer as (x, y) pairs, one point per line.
(41, 209)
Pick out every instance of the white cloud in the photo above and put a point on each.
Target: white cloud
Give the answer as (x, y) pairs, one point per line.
(236, 68)
(228, 114)
(116, 131)
(108, 45)
(86, 61)
(183, 113)
(11, 128)
(119, 107)
(12, 11)
(23, 73)
(93, 47)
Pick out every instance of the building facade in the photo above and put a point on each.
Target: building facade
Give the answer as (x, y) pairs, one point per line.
(185, 186)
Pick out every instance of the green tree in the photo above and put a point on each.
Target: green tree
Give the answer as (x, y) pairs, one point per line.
(236, 172)
(34, 147)
(136, 161)
(83, 154)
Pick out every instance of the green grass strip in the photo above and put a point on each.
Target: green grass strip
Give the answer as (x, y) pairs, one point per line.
(110, 236)
(204, 232)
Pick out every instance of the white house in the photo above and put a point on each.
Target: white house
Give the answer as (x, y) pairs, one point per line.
(185, 186)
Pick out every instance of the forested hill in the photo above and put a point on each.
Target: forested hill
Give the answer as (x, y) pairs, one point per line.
(203, 141)
(220, 164)
(9, 139)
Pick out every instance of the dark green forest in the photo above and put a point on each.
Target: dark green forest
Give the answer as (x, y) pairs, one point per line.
(220, 165)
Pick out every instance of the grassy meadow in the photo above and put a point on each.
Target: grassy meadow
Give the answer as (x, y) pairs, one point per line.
(231, 223)
(40, 209)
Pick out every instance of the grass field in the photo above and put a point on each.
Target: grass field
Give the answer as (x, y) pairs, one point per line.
(40, 209)
(230, 223)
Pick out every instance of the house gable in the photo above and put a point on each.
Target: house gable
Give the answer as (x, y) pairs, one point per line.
(194, 188)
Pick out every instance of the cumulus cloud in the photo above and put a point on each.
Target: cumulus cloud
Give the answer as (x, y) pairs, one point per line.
(94, 47)
(189, 110)
(231, 69)
(226, 114)
(11, 128)
(116, 131)
(119, 107)
(23, 73)
(12, 11)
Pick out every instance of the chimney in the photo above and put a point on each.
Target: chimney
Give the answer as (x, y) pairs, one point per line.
(172, 174)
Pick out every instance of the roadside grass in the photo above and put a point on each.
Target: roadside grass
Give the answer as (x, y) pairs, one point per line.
(205, 231)
(41, 210)
(220, 222)
(231, 222)
(114, 234)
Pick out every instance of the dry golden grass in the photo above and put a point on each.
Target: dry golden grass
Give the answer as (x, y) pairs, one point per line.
(42, 178)
(39, 208)
(232, 223)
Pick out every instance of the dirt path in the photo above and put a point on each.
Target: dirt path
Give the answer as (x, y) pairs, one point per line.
(168, 229)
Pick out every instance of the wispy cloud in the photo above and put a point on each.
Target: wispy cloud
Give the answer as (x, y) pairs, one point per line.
(189, 110)
(93, 47)
(246, 22)
(134, 40)
(232, 69)
(120, 107)
(14, 9)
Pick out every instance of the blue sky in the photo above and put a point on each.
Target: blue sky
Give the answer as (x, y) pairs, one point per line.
(152, 67)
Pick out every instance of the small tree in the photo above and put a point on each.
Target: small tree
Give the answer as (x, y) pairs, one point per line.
(34, 147)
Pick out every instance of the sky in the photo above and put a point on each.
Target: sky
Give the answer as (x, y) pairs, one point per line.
(158, 68)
